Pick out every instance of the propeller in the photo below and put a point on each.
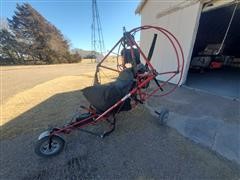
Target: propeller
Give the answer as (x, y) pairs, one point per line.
(150, 53)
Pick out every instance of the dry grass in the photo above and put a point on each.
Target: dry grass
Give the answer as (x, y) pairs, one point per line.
(26, 100)
(110, 59)
(14, 120)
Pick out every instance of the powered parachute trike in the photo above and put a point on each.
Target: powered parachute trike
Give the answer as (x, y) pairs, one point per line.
(123, 94)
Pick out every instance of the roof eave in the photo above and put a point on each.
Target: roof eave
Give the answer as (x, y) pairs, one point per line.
(143, 3)
(140, 6)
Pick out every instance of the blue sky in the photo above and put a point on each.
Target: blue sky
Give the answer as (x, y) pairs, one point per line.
(74, 18)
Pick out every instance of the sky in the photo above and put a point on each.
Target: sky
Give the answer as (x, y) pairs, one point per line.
(74, 18)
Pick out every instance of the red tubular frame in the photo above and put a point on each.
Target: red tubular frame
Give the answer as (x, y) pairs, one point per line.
(142, 80)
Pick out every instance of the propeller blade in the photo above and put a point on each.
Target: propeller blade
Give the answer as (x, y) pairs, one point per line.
(150, 53)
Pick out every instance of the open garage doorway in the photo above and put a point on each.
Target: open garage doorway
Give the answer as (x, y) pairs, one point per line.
(215, 63)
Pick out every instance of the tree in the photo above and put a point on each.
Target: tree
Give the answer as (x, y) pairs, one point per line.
(75, 58)
(3, 24)
(10, 49)
(42, 41)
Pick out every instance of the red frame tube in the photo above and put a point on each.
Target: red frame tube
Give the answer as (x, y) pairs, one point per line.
(148, 77)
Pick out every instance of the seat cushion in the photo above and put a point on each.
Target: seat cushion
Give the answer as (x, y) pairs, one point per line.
(104, 96)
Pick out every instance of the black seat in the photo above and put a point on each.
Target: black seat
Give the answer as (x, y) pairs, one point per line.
(104, 96)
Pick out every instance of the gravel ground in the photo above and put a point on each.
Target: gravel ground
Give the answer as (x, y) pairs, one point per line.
(138, 149)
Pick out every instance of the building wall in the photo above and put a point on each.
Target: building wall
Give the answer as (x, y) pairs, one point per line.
(182, 23)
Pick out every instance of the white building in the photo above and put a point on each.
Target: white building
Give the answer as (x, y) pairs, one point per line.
(196, 24)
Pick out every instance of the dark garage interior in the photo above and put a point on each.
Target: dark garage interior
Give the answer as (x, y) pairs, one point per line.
(215, 63)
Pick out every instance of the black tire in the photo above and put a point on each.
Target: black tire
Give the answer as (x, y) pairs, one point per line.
(163, 117)
(43, 148)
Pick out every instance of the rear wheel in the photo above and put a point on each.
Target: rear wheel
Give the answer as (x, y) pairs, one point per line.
(49, 146)
(163, 116)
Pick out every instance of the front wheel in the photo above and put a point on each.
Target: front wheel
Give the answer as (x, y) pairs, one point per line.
(49, 146)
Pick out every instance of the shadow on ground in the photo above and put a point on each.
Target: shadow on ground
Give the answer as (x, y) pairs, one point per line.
(138, 149)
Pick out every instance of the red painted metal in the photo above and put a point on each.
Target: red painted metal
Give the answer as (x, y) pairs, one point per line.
(142, 79)
(109, 68)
